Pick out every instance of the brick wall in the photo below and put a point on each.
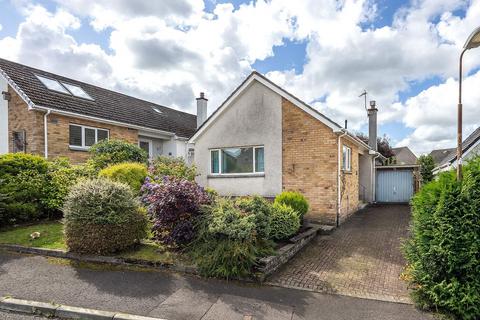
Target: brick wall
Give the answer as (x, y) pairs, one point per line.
(349, 184)
(310, 162)
(58, 136)
(309, 151)
(20, 118)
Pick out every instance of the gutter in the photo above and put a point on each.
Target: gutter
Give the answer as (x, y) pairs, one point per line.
(339, 193)
(45, 132)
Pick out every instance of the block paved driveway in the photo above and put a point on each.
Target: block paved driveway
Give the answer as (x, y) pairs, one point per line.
(362, 258)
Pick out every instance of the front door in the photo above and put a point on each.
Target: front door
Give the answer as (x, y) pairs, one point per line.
(146, 145)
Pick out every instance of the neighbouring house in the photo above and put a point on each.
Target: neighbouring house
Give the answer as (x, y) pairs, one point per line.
(51, 115)
(263, 140)
(470, 148)
(398, 178)
(404, 156)
(440, 154)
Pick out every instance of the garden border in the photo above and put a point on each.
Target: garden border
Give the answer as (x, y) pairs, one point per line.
(266, 266)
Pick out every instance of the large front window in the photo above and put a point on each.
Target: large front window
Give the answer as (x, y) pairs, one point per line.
(82, 137)
(241, 160)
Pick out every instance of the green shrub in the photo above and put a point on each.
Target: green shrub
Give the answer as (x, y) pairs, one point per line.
(11, 164)
(227, 244)
(61, 176)
(23, 179)
(285, 222)
(102, 216)
(108, 152)
(228, 220)
(295, 200)
(261, 209)
(226, 258)
(130, 173)
(443, 252)
(173, 167)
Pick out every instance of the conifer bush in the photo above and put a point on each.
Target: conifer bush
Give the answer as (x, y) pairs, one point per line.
(443, 252)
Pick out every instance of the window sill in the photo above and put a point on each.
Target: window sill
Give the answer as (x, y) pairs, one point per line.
(347, 171)
(77, 148)
(239, 175)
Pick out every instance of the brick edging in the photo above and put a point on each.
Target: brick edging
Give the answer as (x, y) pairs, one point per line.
(63, 311)
(98, 259)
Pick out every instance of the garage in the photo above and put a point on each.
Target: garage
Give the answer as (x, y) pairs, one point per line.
(395, 184)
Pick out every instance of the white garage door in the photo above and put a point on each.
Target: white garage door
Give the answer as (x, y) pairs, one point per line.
(394, 185)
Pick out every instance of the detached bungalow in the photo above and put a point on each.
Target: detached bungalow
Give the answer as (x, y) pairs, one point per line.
(50, 115)
(263, 140)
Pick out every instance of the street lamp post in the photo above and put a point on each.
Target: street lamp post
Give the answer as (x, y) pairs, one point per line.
(473, 41)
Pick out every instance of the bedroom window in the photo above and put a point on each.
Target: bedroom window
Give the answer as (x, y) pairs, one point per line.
(83, 137)
(241, 160)
(347, 159)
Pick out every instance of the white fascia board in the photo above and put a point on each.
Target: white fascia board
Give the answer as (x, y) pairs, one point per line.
(17, 89)
(255, 77)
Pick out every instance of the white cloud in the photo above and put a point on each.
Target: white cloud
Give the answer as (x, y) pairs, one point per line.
(168, 51)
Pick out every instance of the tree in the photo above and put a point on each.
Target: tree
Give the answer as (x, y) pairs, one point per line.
(426, 167)
(383, 144)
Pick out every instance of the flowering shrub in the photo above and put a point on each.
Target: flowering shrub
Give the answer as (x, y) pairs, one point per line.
(173, 205)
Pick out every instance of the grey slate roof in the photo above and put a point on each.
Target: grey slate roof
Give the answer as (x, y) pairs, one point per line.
(107, 104)
(467, 143)
(440, 154)
(404, 155)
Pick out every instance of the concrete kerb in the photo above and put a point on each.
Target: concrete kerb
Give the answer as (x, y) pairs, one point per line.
(64, 312)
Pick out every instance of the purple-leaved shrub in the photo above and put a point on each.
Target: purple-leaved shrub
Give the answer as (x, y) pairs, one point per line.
(174, 204)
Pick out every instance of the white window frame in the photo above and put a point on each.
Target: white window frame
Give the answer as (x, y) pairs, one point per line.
(220, 173)
(347, 163)
(83, 146)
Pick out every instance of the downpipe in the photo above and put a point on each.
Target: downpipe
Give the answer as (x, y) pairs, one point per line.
(339, 177)
(45, 132)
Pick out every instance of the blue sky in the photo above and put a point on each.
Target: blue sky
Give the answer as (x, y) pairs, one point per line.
(326, 52)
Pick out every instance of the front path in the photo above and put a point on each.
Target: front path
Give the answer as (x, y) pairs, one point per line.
(362, 258)
(175, 297)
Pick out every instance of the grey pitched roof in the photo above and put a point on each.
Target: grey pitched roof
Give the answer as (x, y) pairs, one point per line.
(440, 154)
(404, 155)
(467, 144)
(107, 104)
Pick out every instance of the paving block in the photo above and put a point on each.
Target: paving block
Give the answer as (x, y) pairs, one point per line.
(26, 306)
(83, 313)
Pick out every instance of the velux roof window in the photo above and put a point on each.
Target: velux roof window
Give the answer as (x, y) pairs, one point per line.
(63, 87)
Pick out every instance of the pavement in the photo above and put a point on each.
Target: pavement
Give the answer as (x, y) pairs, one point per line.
(173, 296)
(4, 315)
(362, 258)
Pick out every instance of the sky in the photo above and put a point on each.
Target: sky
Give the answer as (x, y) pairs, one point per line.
(326, 52)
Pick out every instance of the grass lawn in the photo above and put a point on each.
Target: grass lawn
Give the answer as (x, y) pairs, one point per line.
(51, 237)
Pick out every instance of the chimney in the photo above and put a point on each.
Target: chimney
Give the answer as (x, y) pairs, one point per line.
(201, 109)
(372, 125)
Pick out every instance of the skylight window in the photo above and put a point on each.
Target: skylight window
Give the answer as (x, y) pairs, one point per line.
(63, 87)
(76, 91)
(157, 110)
(53, 84)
